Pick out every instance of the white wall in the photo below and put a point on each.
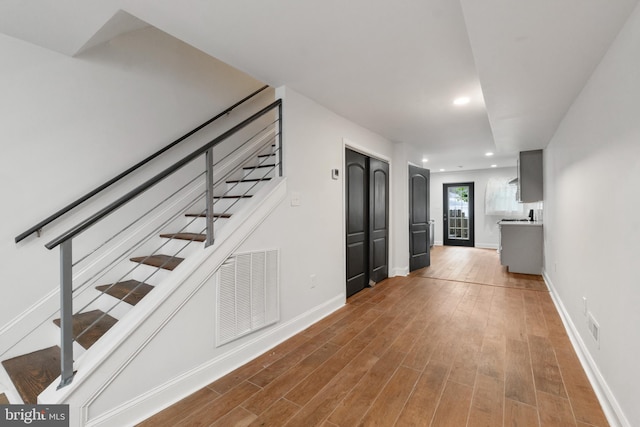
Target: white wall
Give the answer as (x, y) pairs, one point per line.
(69, 124)
(487, 232)
(311, 235)
(592, 221)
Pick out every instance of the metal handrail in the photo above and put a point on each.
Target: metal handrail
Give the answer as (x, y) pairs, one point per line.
(157, 178)
(91, 194)
(65, 241)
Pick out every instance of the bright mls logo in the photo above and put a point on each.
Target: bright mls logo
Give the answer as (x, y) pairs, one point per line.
(34, 415)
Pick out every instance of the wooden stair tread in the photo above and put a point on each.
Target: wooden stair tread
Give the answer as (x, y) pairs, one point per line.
(130, 291)
(166, 262)
(203, 214)
(81, 321)
(3, 399)
(192, 237)
(236, 181)
(33, 372)
(244, 196)
(258, 167)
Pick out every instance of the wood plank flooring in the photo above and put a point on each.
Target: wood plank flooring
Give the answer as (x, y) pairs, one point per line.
(475, 347)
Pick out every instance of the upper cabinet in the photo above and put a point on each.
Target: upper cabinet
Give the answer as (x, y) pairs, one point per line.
(530, 176)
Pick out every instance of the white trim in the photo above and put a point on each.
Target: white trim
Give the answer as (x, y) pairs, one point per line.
(27, 322)
(400, 271)
(347, 143)
(487, 245)
(163, 396)
(610, 405)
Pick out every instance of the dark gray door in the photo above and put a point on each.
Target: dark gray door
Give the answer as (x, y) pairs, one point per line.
(418, 218)
(357, 217)
(367, 220)
(378, 219)
(458, 217)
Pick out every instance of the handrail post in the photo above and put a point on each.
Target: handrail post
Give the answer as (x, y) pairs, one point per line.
(66, 314)
(280, 139)
(209, 195)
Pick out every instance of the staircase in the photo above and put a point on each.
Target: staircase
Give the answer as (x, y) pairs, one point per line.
(105, 304)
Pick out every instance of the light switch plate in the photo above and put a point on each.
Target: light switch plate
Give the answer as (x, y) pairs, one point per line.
(295, 198)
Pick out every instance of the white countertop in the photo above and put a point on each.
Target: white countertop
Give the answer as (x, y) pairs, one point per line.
(525, 223)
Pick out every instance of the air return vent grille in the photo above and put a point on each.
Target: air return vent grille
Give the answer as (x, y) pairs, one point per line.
(248, 296)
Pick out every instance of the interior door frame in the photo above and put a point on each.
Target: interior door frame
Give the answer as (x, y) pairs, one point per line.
(445, 215)
(348, 144)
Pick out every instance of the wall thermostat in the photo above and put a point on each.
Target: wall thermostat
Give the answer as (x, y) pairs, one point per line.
(335, 173)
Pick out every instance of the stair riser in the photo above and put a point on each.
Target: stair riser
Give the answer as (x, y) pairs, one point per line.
(262, 161)
(110, 305)
(185, 247)
(148, 274)
(240, 188)
(230, 206)
(198, 226)
(45, 336)
(259, 173)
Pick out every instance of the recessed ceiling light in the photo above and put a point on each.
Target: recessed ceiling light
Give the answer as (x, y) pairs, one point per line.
(463, 100)
(441, 170)
(489, 154)
(425, 160)
(494, 166)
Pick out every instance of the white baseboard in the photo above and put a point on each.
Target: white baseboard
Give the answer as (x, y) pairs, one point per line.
(477, 245)
(400, 271)
(610, 405)
(163, 396)
(487, 245)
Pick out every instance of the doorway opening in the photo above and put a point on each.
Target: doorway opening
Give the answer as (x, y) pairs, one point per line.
(367, 220)
(458, 214)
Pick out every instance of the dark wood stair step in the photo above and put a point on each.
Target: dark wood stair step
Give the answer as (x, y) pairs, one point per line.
(3, 399)
(166, 262)
(258, 167)
(81, 321)
(129, 291)
(192, 237)
(33, 372)
(237, 181)
(203, 214)
(243, 196)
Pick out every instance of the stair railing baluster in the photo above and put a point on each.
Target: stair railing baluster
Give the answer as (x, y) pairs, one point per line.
(280, 159)
(65, 240)
(209, 195)
(66, 313)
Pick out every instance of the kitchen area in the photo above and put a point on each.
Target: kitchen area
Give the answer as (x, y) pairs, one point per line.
(521, 239)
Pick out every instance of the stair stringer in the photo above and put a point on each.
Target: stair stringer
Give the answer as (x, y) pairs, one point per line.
(125, 363)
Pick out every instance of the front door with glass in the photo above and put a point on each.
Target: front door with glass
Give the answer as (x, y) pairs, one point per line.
(458, 214)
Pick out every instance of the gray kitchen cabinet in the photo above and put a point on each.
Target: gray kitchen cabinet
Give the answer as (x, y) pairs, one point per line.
(530, 187)
(521, 246)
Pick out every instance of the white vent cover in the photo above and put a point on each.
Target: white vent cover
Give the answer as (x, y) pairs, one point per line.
(248, 295)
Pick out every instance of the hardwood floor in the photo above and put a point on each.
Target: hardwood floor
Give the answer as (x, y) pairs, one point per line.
(461, 343)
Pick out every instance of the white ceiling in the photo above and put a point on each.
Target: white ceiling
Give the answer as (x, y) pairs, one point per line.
(393, 67)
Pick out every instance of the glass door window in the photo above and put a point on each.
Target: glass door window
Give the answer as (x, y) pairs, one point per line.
(458, 214)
